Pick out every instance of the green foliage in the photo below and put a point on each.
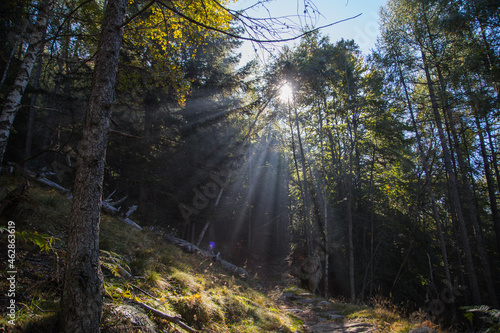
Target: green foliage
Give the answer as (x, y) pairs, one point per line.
(114, 263)
(43, 241)
(489, 315)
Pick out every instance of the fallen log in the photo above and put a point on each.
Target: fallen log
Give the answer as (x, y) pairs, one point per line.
(106, 205)
(191, 248)
(129, 222)
(159, 314)
(45, 181)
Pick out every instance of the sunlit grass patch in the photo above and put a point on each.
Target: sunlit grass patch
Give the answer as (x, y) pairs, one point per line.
(384, 316)
(189, 283)
(199, 309)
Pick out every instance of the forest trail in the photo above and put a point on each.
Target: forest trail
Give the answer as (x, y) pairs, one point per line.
(320, 315)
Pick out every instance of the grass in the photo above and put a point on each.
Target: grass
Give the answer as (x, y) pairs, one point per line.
(174, 282)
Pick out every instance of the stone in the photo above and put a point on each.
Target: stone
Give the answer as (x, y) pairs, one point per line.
(423, 329)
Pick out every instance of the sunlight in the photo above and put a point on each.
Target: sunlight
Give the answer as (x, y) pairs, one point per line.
(286, 93)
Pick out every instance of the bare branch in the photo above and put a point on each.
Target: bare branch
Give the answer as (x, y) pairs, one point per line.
(253, 29)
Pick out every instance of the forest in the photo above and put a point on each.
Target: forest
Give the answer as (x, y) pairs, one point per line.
(380, 169)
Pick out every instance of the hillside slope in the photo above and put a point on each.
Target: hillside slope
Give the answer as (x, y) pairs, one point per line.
(142, 270)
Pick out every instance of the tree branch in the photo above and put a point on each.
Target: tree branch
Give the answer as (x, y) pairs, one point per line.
(227, 33)
(159, 314)
(138, 13)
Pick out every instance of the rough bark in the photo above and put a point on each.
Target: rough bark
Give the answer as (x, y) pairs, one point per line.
(13, 99)
(81, 303)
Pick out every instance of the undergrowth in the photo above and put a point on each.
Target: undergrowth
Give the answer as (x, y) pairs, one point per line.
(194, 288)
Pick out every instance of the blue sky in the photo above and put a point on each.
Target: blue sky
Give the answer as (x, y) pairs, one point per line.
(363, 29)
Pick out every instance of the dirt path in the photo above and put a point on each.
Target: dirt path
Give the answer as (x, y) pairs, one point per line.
(320, 315)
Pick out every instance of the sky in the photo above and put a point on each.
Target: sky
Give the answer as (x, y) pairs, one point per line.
(363, 29)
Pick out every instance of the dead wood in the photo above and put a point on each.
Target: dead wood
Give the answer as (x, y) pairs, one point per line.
(159, 314)
(191, 248)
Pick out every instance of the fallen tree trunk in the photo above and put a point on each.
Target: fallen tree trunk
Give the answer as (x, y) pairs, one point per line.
(191, 248)
(159, 314)
(45, 181)
(106, 205)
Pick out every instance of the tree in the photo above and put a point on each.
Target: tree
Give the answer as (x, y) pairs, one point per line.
(81, 303)
(82, 295)
(13, 99)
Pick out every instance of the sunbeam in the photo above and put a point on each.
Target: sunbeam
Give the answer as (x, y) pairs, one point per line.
(286, 93)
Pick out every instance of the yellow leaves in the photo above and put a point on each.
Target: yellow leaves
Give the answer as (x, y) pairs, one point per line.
(162, 40)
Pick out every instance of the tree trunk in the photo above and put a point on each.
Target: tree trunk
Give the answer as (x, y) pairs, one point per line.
(493, 151)
(302, 194)
(18, 42)
(454, 141)
(81, 303)
(13, 99)
(325, 200)
(305, 186)
(455, 198)
(428, 181)
(350, 227)
(31, 118)
(490, 184)
(468, 190)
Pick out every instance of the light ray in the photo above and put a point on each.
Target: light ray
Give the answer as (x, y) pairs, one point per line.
(286, 93)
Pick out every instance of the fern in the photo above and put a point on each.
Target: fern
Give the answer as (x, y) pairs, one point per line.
(44, 242)
(114, 263)
(491, 316)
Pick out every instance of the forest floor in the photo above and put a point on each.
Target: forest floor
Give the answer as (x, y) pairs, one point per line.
(192, 287)
(322, 316)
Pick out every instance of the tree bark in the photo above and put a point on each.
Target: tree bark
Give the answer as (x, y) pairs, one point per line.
(307, 225)
(428, 182)
(452, 182)
(17, 42)
(495, 215)
(81, 303)
(31, 118)
(305, 186)
(13, 99)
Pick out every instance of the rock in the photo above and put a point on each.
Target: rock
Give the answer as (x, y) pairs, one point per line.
(333, 315)
(126, 318)
(423, 329)
(324, 304)
(329, 327)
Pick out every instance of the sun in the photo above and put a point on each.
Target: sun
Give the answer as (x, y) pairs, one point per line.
(286, 93)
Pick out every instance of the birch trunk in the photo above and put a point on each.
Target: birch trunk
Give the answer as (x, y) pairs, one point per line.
(13, 99)
(81, 303)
